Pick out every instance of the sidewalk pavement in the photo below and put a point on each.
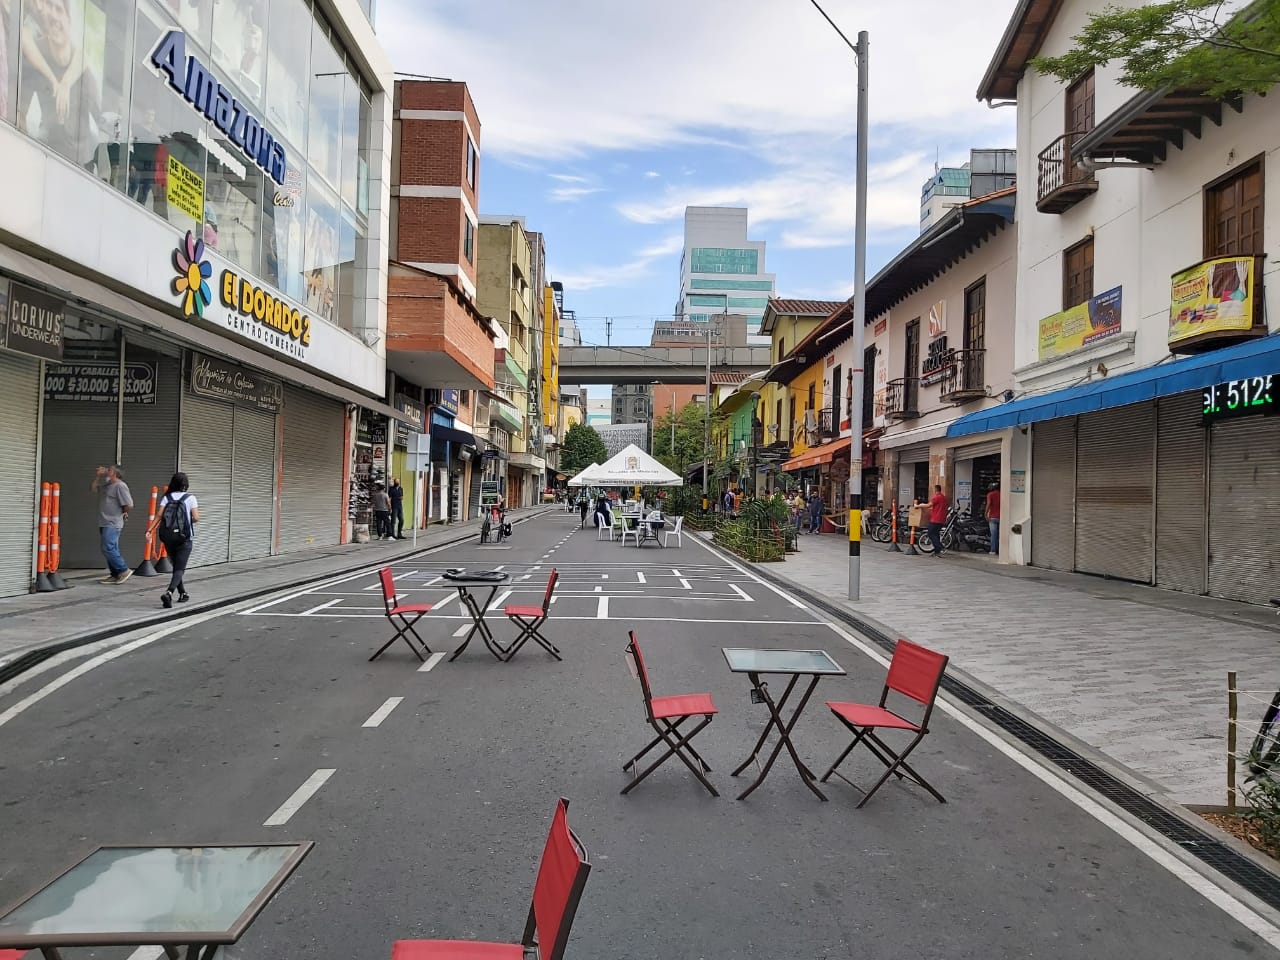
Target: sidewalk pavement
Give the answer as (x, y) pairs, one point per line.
(92, 611)
(1136, 673)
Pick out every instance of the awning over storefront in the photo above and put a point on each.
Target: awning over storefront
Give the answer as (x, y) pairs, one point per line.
(445, 434)
(1254, 358)
(816, 455)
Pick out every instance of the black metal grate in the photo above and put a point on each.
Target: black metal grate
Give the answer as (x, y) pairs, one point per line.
(1206, 848)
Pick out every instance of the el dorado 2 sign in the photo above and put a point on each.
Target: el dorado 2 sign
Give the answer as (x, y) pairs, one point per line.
(1214, 300)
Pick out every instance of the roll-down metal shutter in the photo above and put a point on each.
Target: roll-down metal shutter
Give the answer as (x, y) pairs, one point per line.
(206, 458)
(1053, 493)
(473, 496)
(1181, 447)
(988, 448)
(19, 409)
(1244, 509)
(1115, 492)
(253, 484)
(149, 445)
(917, 454)
(311, 490)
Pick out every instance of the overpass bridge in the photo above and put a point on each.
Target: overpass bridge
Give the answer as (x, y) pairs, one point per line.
(643, 364)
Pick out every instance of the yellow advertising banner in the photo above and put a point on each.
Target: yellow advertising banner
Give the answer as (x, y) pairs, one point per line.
(1086, 323)
(185, 190)
(1215, 296)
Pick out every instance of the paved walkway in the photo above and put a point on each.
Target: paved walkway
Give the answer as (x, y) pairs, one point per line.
(90, 611)
(1137, 674)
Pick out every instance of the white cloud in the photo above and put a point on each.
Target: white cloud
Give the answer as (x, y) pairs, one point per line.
(651, 174)
(641, 264)
(569, 178)
(570, 194)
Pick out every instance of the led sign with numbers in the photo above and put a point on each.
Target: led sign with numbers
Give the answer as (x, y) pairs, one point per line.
(1240, 398)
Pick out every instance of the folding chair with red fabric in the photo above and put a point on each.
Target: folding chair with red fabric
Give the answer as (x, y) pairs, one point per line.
(660, 712)
(12, 954)
(530, 618)
(914, 672)
(402, 612)
(562, 875)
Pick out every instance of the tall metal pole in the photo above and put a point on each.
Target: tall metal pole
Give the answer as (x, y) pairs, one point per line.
(859, 321)
(706, 419)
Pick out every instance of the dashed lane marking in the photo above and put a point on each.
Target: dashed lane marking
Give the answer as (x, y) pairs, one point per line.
(433, 660)
(640, 577)
(300, 796)
(324, 606)
(384, 711)
(602, 611)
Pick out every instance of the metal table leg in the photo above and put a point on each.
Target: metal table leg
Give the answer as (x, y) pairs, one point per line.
(784, 734)
(477, 612)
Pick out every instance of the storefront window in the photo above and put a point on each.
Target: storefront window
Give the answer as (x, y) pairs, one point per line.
(166, 168)
(320, 253)
(328, 75)
(351, 252)
(288, 59)
(116, 53)
(239, 44)
(362, 167)
(10, 15)
(233, 205)
(195, 17)
(351, 153)
(284, 220)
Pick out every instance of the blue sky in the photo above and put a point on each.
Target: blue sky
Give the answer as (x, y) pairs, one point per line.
(602, 120)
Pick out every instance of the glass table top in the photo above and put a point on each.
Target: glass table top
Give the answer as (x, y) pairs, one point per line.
(127, 894)
(742, 660)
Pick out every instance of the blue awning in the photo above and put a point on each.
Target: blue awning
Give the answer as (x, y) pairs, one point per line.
(1253, 358)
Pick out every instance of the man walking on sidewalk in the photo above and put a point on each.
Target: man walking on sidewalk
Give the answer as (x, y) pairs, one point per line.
(993, 517)
(114, 504)
(937, 518)
(381, 504)
(397, 508)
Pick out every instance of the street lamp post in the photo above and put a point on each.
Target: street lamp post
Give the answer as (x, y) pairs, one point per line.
(706, 419)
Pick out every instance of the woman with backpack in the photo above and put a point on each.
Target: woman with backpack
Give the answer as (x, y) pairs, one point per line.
(177, 513)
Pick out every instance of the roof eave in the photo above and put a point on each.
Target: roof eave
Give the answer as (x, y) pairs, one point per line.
(1000, 81)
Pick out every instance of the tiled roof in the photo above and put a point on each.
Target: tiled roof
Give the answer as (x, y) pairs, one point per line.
(805, 308)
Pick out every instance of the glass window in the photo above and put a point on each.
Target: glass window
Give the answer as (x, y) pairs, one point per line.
(471, 164)
(320, 253)
(288, 59)
(284, 224)
(328, 76)
(109, 51)
(352, 109)
(194, 16)
(239, 48)
(166, 150)
(352, 261)
(469, 239)
(233, 204)
(362, 170)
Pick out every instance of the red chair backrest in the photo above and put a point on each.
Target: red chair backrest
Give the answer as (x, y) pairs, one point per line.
(915, 672)
(551, 588)
(561, 876)
(643, 673)
(388, 589)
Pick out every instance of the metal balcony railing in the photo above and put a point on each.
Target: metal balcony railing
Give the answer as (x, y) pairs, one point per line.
(1061, 183)
(964, 379)
(829, 422)
(902, 398)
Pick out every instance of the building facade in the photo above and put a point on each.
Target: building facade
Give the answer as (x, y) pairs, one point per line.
(193, 267)
(1142, 348)
(721, 271)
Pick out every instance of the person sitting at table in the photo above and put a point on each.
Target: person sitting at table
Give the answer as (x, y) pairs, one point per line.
(604, 511)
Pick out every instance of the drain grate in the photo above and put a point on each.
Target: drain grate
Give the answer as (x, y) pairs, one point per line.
(1203, 846)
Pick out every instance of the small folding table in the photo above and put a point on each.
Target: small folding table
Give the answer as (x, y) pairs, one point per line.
(814, 664)
(462, 580)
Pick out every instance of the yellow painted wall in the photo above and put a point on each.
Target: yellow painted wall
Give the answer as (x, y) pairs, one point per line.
(550, 362)
(800, 387)
(788, 330)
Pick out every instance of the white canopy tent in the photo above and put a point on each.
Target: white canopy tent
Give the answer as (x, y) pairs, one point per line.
(632, 467)
(584, 479)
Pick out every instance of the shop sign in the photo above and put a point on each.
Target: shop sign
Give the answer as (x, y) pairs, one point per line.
(252, 311)
(1215, 296)
(1241, 398)
(220, 380)
(938, 319)
(100, 382)
(184, 189)
(881, 384)
(881, 327)
(1082, 325)
(449, 401)
(488, 493)
(936, 362)
(199, 86)
(415, 412)
(33, 322)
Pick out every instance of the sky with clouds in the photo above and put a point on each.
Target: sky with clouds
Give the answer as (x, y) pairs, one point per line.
(601, 120)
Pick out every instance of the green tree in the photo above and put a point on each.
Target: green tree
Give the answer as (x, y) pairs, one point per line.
(582, 447)
(1198, 45)
(689, 435)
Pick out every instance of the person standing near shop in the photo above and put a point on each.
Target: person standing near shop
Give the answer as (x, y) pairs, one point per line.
(114, 504)
(396, 494)
(993, 517)
(176, 516)
(815, 512)
(381, 504)
(937, 518)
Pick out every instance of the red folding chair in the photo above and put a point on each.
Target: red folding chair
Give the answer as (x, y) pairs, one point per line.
(530, 618)
(402, 612)
(562, 875)
(914, 672)
(660, 712)
(12, 954)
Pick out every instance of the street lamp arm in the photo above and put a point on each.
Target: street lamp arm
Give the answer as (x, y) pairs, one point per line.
(848, 43)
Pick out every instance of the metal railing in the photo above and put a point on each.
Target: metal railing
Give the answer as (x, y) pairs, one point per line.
(1056, 169)
(902, 398)
(828, 422)
(965, 377)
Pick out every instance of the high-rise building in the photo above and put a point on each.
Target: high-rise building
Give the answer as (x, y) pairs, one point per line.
(721, 271)
(986, 172)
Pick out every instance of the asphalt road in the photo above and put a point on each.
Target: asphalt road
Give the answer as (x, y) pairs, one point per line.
(432, 821)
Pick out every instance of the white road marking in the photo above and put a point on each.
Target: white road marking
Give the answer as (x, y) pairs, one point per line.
(640, 577)
(742, 593)
(676, 573)
(747, 573)
(384, 711)
(498, 601)
(685, 583)
(147, 953)
(527, 576)
(437, 606)
(300, 796)
(322, 606)
(432, 661)
(462, 630)
(597, 589)
(604, 576)
(602, 610)
(499, 566)
(433, 580)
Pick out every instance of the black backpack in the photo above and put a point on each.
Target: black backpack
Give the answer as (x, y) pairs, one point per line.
(175, 522)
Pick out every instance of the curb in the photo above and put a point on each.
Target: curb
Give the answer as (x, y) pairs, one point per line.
(32, 658)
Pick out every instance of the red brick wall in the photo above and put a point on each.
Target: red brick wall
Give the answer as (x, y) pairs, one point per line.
(429, 230)
(423, 314)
